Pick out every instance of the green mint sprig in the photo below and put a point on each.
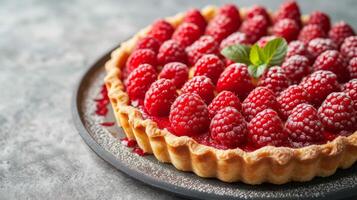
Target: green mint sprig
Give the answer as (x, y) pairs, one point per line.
(256, 58)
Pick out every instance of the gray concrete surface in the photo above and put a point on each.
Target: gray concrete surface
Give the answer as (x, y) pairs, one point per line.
(45, 46)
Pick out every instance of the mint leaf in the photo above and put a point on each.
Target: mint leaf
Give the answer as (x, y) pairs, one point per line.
(237, 53)
(257, 71)
(275, 51)
(256, 55)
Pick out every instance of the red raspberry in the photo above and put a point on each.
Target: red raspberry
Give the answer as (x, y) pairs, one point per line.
(350, 88)
(234, 38)
(200, 85)
(332, 60)
(175, 71)
(209, 65)
(352, 67)
(321, 19)
(158, 99)
(310, 32)
(319, 84)
(189, 115)
(194, 16)
(235, 78)
(148, 42)
(171, 51)
(290, 98)
(264, 40)
(220, 27)
(340, 31)
(286, 28)
(319, 45)
(229, 128)
(296, 47)
(140, 56)
(204, 45)
(259, 99)
(266, 129)
(186, 34)
(337, 112)
(296, 67)
(231, 11)
(255, 28)
(161, 30)
(289, 10)
(275, 79)
(222, 100)
(304, 126)
(139, 81)
(349, 47)
(228, 62)
(258, 10)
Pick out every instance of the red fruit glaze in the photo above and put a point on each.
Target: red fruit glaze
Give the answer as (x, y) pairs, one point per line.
(107, 123)
(209, 65)
(175, 71)
(140, 80)
(186, 34)
(102, 102)
(228, 127)
(194, 16)
(189, 115)
(202, 86)
(139, 151)
(128, 142)
(141, 56)
(222, 100)
(161, 30)
(290, 98)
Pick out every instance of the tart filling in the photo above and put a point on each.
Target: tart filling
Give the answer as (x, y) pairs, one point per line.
(239, 94)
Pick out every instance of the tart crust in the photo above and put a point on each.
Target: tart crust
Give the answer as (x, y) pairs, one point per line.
(275, 165)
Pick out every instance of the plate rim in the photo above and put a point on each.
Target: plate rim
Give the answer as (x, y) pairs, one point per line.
(142, 177)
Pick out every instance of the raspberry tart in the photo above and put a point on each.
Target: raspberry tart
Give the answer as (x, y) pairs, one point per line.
(240, 94)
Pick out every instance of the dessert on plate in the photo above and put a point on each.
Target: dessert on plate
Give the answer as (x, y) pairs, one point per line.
(241, 94)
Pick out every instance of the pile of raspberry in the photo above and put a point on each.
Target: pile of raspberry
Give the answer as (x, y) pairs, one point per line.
(179, 74)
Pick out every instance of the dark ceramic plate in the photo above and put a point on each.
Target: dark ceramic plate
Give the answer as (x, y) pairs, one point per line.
(104, 141)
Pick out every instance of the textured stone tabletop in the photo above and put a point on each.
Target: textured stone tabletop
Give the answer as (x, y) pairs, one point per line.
(45, 46)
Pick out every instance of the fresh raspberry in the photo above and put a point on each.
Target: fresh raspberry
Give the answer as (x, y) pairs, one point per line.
(296, 47)
(304, 126)
(350, 88)
(139, 81)
(321, 19)
(264, 40)
(209, 65)
(259, 99)
(337, 112)
(266, 129)
(310, 32)
(220, 27)
(340, 31)
(255, 28)
(200, 85)
(228, 62)
(349, 47)
(158, 99)
(235, 78)
(290, 98)
(275, 79)
(204, 45)
(286, 28)
(161, 30)
(258, 10)
(222, 100)
(319, 45)
(289, 10)
(230, 11)
(234, 38)
(352, 67)
(175, 71)
(194, 16)
(319, 84)
(332, 60)
(229, 128)
(186, 34)
(189, 115)
(171, 51)
(148, 42)
(296, 67)
(141, 56)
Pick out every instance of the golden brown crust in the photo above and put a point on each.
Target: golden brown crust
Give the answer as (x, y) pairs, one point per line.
(276, 165)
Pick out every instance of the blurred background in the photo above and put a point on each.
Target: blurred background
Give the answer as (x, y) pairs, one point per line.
(45, 46)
